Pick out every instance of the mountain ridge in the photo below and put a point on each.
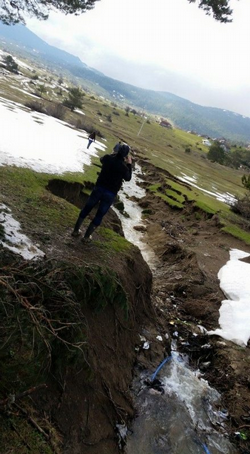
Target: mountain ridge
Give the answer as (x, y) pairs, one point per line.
(183, 113)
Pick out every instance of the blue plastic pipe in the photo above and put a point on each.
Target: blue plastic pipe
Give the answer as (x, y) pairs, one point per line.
(168, 358)
(205, 448)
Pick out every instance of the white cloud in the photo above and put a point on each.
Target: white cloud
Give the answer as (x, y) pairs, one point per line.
(169, 34)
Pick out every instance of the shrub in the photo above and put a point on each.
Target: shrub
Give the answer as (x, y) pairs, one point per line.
(37, 106)
(242, 207)
(187, 150)
(10, 63)
(89, 128)
(246, 181)
(216, 153)
(75, 99)
(56, 110)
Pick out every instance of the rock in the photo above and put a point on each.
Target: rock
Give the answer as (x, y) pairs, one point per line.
(140, 228)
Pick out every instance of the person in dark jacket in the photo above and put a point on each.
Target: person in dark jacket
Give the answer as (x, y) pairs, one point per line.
(115, 169)
(91, 139)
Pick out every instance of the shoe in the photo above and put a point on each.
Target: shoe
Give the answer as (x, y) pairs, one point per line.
(86, 240)
(75, 233)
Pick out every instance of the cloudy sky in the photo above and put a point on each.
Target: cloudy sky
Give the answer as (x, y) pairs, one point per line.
(168, 45)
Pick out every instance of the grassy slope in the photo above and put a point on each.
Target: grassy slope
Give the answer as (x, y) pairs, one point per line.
(162, 147)
(25, 191)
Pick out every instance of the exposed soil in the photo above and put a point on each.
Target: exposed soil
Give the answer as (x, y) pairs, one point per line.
(186, 293)
(190, 250)
(85, 408)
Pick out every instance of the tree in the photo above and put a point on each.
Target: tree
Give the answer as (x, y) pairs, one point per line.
(12, 12)
(246, 181)
(10, 64)
(75, 99)
(41, 89)
(216, 153)
(218, 8)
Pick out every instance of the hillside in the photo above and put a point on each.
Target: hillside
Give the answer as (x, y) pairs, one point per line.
(74, 322)
(183, 113)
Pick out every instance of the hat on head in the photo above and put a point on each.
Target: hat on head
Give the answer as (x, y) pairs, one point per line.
(124, 150)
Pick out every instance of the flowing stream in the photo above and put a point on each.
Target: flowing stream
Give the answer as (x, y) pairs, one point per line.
(184, 416)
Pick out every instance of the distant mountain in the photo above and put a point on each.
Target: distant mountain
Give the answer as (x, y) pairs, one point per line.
(183, 113)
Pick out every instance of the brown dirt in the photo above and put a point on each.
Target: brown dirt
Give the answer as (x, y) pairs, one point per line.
(85, 408)
(186, 293)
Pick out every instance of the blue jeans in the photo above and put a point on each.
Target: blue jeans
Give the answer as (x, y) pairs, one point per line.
(89, 143)
(105, 199)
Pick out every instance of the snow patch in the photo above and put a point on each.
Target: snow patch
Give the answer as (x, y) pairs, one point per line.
(234, 317)
(42, 143)
(13, 239)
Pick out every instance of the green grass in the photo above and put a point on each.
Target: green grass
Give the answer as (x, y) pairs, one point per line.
(31, 202)
(182, 188)
(154, 187)
(237, 232)
(19, 436)
(174, 195)
(203, 207)
(113, 242)
(164, 148)
(172, 203)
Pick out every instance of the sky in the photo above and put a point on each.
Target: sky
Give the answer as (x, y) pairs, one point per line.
(167, 45)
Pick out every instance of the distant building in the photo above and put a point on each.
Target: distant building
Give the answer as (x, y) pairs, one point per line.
(165, 124)
(206, 142)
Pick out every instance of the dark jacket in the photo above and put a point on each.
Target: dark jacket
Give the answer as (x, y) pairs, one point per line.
(114, 171)
(92, 136)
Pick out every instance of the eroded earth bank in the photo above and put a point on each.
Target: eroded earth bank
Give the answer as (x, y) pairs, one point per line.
(71, 325)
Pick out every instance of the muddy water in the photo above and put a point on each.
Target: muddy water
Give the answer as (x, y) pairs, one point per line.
(185, 417)
(134, 211)
(180, 421)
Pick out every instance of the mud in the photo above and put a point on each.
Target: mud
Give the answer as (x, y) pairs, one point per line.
(84, 407)
(186, 294)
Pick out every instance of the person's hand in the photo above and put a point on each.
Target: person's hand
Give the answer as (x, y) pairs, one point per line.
(129, 159)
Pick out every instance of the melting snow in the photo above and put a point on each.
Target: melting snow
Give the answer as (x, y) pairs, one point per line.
(15, 240)
(234, 317)
(132, 189)
(223, 197)
(42, 143)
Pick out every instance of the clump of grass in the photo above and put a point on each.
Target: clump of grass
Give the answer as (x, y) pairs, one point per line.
(185, 190)
(175, 196)
(24, 438)
(113, 241)
(237, 232)
(205, 208)
(37, 106)
(154, 187)
(172, 203)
